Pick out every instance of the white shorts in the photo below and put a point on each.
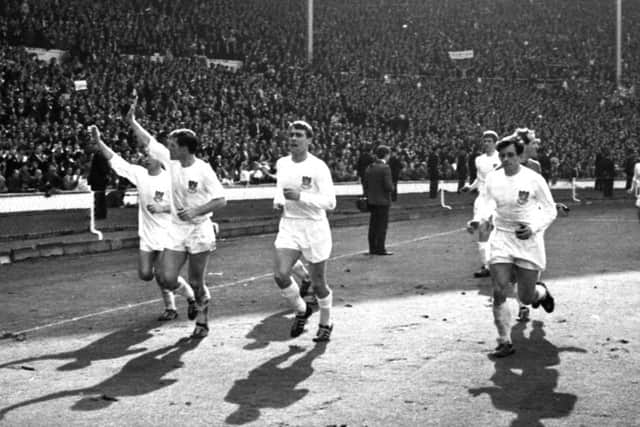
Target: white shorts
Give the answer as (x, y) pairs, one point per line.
(638, 202)
(312, 238)
(482, 207)
(191, 238)
(507, 248)
(148, 246)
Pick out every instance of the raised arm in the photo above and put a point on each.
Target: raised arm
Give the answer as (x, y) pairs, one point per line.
(96, 139)
(142, 135)
(119, 165)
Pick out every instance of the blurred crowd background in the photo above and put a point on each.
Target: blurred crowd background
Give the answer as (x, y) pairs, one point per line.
(381, 73)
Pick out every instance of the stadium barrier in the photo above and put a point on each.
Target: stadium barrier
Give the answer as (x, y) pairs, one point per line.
(78, 206)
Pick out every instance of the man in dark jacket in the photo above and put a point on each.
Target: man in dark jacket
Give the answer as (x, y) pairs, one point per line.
(378, 187)
(396, 167)
(433, 166)
(98, 179)
(364, 160)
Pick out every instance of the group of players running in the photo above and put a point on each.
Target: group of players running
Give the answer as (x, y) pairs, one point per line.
(177, 193)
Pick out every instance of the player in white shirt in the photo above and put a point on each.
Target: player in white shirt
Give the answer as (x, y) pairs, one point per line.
(195, 193)
(154, 187)
(635, 186)
(524, 208)
(485, 163)
(304, 192)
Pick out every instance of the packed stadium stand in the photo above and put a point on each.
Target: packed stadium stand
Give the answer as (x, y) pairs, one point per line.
(381, 72)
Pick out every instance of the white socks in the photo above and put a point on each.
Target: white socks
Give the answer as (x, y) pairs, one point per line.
(184, 289)
(502, 319)
(325, 305)
(169, 299)
(292, 294)
(483, 249)
(541, 292)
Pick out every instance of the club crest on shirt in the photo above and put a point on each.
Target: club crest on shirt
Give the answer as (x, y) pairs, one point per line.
(158, 196)
(523, 197)
(193, 186)
(306, 182)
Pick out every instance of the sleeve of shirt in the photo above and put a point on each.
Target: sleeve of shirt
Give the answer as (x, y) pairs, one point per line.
(548, 211)
(124, 169)
(325, 198)
(278, 198)
(475, 182)
(159, 151)
(487, 208)
(212, 184)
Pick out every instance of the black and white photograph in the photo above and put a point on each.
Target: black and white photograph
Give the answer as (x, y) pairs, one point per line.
(319, 213)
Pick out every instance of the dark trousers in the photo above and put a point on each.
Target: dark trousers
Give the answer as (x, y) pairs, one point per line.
(378, 222)
(99, 204)
(433, 188)
(394, 192)
(607, 187)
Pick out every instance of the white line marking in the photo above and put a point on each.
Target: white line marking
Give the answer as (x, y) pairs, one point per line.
(224, 285)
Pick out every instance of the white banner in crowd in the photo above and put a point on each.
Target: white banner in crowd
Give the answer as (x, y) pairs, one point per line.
(461, 54)
(80, 85)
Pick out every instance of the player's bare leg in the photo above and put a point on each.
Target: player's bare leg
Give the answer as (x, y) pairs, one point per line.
(318, 272)
(301, 273)
(172, 262)
(501, 274)
(283, 264)
(484, 232)
(197, 270)
(148, 268)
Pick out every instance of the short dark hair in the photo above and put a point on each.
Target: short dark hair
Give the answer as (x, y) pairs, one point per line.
(302, 125)
(186, 138)
(382, 151)
(511, 140)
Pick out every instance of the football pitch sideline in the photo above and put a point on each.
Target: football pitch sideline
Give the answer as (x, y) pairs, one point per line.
(409, 348)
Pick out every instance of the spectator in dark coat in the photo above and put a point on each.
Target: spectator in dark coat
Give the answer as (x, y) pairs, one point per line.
(629, 165)
(433, 165)
(378, 186)
(545, 163)
(396, 167)
(364, 160)
(98, 179)
(608, 173)
(461, 168)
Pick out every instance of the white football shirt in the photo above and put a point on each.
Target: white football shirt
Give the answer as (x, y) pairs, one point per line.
(191, 186)
(523, 198)
(484, 165)
(313, 178)
(152, 190)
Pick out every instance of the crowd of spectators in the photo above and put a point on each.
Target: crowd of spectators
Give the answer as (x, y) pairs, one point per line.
(381, 74)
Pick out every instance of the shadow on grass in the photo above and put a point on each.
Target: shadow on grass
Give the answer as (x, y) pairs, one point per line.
(270, 386)
(530, 395)
(141, 375)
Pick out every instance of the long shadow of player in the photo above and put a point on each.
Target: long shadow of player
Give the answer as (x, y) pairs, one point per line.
(141, 375)
(269, 386)
(530, 395)
(111, 346)
(271, 329)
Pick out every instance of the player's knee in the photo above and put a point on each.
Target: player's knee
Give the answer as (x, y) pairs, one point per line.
(499, 297)
(145, 275)
(282, 277)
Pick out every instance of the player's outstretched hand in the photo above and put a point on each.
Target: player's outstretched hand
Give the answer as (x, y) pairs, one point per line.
(131, 114)
(523, 232)
(94, 133)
